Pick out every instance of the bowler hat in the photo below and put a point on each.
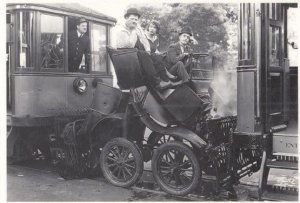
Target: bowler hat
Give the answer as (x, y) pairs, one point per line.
(80, 20)
(132, 11)
(187, 30)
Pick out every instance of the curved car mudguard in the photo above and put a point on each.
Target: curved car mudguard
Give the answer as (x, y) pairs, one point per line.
(109, 117)
(176, 131)
(106, 128)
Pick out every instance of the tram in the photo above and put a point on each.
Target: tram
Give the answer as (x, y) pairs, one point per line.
(40, 86)
(267, 94)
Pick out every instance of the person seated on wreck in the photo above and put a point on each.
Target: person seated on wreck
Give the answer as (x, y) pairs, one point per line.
(131, 36)
(151, 32)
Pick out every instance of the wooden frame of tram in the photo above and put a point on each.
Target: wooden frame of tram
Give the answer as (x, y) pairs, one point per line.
(262, 73)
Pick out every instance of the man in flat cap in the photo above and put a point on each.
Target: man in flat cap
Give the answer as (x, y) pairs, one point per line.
(178, 55)
(79, 48)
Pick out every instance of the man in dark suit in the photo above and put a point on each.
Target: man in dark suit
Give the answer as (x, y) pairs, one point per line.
(178, 55)
(79, 46)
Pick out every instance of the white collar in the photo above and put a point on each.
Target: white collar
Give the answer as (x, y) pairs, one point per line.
(78, 33)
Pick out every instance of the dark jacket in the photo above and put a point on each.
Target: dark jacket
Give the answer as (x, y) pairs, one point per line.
(175, 54)
(77, 47)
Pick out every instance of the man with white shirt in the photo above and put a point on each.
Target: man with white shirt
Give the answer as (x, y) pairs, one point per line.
(132, 36)
(79, 49)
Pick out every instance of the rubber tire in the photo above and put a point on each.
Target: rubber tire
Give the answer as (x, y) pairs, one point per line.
(188, 152)
(138, 159)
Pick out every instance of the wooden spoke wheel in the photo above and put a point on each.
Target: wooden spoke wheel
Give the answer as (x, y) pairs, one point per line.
(121, 162)
(157, 139)
(175, 168)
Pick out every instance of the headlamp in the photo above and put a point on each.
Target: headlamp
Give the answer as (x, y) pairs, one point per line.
(80, 85)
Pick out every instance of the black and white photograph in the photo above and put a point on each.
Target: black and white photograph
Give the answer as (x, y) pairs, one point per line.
(160, 101)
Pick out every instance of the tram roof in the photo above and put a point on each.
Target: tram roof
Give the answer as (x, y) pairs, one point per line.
(68, 8)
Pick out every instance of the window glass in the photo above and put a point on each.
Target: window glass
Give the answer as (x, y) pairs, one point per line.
(246, 32)
(274, 11)
(98, 48)
(52, 46)
(293, 36)
(274, 44)
(25, 39)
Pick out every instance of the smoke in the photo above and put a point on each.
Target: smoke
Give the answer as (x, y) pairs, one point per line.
(224, 93)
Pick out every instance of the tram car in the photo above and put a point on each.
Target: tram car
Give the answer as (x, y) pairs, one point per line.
(40, 84)
(267, 97)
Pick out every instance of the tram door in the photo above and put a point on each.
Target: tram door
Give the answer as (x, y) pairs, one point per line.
(274, 64)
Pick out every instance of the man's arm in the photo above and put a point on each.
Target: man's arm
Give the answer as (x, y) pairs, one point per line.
(174, 54)
(143, 39)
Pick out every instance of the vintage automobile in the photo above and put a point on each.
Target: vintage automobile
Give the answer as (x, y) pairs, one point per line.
(184, 142)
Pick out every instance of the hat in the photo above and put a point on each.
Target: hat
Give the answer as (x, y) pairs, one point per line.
(80, 20)
(132, 11)
(187, 30)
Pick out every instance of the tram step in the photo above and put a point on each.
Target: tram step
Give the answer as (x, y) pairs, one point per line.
(282, 164)
(275, 196)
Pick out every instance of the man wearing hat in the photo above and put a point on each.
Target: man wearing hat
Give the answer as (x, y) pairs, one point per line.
(178, 53)
(131, 36)
(79, 50)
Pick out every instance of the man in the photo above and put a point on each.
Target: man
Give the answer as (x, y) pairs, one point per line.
(178, 55)
(79, 49)
(130, 36)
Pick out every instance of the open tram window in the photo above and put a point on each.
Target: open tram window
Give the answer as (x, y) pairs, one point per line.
(25, 40)
(52, 46)
(78, 45)
(292, 36)
(98, 48)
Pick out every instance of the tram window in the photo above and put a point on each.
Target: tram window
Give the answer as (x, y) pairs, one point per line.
(274, 11)
(98, 48)
(78, 45)
(293, 36)
(274, 43)
(25, 39)
(52, 46)
(246, 32)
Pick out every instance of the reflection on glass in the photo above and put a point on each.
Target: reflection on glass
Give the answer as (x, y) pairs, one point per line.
(98, 48)
(52, 47)
(246, 32)
(25, 39)
(274, 46)
(274, 12)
